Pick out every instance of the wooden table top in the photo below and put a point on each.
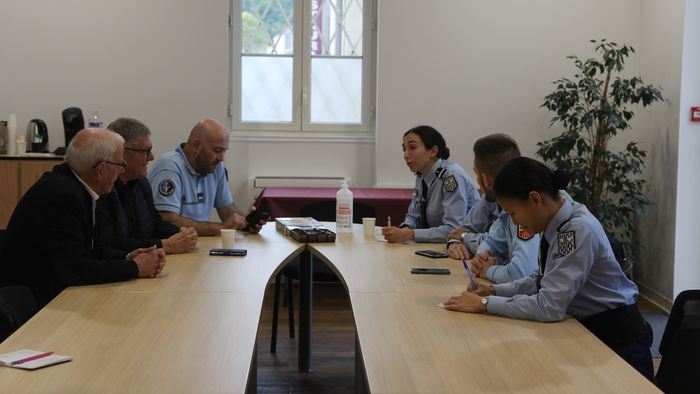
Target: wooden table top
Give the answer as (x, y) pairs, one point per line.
(193, 329)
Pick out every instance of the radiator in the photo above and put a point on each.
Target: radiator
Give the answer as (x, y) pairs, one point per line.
(259, 182)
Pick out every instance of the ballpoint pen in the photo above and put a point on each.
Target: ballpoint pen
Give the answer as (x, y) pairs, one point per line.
(35, 357)
(469, 275)
(388, 221)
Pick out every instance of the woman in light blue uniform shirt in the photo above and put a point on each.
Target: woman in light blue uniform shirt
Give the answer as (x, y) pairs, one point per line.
(444, 193)
(578, 274)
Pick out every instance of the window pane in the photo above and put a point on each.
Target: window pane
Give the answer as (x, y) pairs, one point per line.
(267, 27)
(336, 90)
(336, 28)
(266, 89)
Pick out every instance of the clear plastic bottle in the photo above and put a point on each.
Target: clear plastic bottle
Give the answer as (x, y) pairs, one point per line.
(95, 120)
(343, 209)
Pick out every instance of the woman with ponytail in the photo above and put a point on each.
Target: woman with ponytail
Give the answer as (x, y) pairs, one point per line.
(578, 273)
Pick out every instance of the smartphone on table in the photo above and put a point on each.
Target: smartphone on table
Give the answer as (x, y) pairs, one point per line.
(433, 254)
(227, 252)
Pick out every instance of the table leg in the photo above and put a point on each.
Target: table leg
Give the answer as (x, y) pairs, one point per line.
(305, 307)
(252, 383)
(360, 377)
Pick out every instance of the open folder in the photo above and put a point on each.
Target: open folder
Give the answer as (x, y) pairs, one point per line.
(31, 359)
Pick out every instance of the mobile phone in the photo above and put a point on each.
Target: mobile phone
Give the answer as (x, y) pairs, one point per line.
(433, 254)
(255, 217)
(430, 271)
(228, 252)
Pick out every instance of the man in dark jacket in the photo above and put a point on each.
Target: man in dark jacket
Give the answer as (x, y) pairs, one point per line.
(50, 242)
(128, 211)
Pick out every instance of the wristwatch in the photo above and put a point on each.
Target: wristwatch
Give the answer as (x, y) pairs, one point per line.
(484, 302)
(463, 235)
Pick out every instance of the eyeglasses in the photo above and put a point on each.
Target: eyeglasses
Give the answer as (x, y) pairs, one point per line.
(147, 152)
(122, 164)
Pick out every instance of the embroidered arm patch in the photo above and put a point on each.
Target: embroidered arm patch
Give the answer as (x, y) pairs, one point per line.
(450, 183)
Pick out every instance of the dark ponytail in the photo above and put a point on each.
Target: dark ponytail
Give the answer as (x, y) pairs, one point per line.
(431, 137)
(523, 175)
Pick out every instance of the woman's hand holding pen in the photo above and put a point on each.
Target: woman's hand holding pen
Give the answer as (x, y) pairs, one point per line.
(470, 300)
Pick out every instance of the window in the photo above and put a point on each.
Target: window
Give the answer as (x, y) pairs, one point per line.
(302, 67)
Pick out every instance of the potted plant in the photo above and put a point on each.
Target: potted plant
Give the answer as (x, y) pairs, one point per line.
(593, 107)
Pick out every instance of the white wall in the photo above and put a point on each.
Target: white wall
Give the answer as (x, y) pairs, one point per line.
(687, 268)
(468, 67)
(656, 127)
(473, 67)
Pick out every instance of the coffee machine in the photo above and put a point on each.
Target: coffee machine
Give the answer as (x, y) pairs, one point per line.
(37, 136)
(73, 122)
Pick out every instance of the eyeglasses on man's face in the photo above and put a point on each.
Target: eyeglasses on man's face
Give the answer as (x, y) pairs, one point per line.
(122, 164)
(146, 152)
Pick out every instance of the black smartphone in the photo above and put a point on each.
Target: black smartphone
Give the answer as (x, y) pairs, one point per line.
(433, 254)
(430, 271)
(255, 217)
(228, 252)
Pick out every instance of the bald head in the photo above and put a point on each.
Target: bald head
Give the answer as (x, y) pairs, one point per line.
(206, 145)
(91, 146)
(208, 130)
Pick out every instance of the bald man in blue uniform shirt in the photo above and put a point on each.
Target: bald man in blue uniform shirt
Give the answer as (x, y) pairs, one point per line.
(190, 181)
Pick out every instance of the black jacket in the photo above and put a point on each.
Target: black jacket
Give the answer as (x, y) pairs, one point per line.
(130, 219)
(50, 242)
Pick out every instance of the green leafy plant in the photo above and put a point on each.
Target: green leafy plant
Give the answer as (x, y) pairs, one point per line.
(593, 107)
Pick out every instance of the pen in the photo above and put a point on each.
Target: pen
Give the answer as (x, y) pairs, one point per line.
(388, 221)
(35, 357)
(469, 275)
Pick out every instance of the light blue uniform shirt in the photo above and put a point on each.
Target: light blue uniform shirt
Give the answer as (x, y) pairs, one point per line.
(515, 248)
(178, 188)
(451, 194)
(581, 278)
(479, 221)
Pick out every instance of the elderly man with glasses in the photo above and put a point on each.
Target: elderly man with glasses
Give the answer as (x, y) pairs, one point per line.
(131, 218)
(50, 242)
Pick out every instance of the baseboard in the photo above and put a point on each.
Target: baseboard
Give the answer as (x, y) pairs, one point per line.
(655, 297)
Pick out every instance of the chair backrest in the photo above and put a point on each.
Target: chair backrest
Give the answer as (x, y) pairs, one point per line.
(324, 211)
(680, 346)
(619, 252)
(17, 305)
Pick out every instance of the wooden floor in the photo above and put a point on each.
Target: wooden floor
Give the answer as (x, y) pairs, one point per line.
(333, 341)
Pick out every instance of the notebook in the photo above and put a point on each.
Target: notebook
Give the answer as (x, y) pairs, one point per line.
(31, 359)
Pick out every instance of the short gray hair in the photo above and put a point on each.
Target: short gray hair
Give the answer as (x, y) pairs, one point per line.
(91, 146)
(129, 128)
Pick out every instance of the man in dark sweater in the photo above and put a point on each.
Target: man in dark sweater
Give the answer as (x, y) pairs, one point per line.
(130, 218)
(50, 242)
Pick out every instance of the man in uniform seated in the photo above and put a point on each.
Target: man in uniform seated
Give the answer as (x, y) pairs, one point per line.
(191, 180)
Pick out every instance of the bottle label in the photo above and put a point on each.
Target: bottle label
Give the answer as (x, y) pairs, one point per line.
(95, 125)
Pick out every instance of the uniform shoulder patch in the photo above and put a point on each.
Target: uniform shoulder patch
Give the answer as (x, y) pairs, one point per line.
(524, 234)
(567, 242)
(166, 187)
(450, 183)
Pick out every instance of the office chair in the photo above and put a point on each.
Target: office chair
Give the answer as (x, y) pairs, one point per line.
(680, 346)
(323, 211)
(619, 252)
(17, 305)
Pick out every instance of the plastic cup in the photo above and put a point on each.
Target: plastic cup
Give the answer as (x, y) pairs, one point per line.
(369, 226)
(228, 238)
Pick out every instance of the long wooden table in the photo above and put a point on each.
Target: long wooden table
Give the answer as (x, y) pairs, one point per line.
(193, 329)
(408, 344)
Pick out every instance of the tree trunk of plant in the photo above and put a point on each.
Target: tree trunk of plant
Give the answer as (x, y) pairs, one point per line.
(597, 168)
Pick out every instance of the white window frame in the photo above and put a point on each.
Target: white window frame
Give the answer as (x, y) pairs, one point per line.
(301, 127)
